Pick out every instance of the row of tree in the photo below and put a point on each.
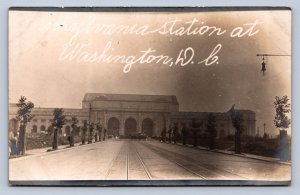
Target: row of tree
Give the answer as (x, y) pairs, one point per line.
(24, 116)
(281, 121)
(237, 122)
(211, 130)
(59, 120)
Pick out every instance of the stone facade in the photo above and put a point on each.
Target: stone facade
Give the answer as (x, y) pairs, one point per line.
(128, 114)
(125, 114)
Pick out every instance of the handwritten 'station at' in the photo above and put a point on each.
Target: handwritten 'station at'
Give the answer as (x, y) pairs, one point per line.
(79, 51)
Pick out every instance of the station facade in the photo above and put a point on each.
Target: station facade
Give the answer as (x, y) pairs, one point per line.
(126, 114)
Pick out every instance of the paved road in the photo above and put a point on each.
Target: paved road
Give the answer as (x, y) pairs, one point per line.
(141, 160)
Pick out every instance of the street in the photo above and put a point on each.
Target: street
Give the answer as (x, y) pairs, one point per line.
(142, 160)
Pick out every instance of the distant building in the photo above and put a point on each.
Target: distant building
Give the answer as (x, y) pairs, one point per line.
(125, 114)
(43, 118)
(223, 121)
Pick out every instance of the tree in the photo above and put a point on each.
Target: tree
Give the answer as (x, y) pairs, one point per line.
(184, 132)
(84, 129)
(91, 131)
(282, 108)
(99, 130)
(281, 121)
(237, 122)
(175, 133)
(195, 126)
(59, 120)
(74, 129)
(50, 130)
(211, 128)
(24, 116)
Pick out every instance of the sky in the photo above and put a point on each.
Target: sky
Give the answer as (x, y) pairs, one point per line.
(40, 69)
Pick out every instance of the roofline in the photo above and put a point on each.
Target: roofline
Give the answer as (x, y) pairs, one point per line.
(131, 94)
(148, 95)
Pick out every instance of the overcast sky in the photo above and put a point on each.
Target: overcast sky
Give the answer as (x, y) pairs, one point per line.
(37, 39)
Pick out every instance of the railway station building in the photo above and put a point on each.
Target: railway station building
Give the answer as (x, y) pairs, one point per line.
(127, 114)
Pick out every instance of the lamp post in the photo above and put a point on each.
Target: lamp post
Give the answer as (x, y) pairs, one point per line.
(90, 108)
(89, 126)
(264, 60)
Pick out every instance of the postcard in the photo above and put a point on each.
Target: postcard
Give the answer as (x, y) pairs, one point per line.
(149, 96)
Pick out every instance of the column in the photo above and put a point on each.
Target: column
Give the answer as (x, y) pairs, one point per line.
(139, 125)
(38, 125)
(105, 119)
(122, 129)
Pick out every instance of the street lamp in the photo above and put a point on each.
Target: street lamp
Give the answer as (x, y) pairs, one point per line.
(264, 60)
(90, 109)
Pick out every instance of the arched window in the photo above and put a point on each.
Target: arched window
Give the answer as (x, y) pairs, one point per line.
(34, 129)
(67, 130)
(43, 128)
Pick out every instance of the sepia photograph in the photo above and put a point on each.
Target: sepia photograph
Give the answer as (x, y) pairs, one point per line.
(182, 96)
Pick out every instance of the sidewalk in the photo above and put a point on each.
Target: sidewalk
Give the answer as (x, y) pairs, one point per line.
(43, 151)
(245, 155)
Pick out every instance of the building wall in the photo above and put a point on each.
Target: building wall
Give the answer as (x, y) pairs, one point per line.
(43, 118)
(162, 111)
(159, 119)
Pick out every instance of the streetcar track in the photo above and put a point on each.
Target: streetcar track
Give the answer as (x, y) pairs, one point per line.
(189, 170)
(112, 163)
(127, 163)
(135, 152)
(185, 168)
(165, 152)
(129, 149)
(143, 164)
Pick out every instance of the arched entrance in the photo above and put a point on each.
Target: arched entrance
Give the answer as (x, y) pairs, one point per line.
(130, 126)
(147, 127)
(113, 126)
